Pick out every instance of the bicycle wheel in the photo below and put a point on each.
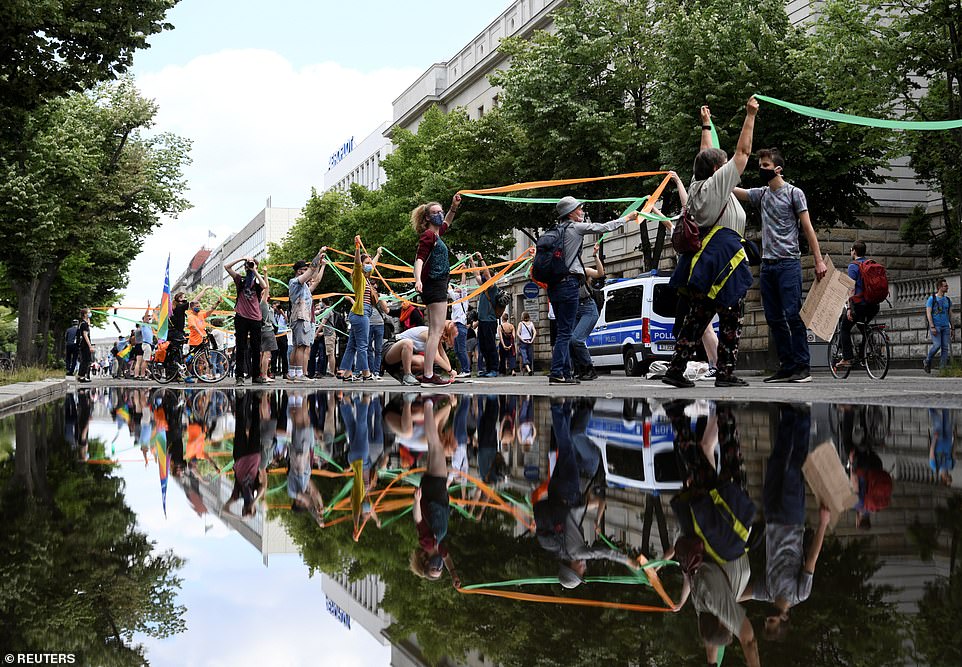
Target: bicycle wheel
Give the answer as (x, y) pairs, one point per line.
(209, 366)
(160, 372)
(835, 356)
(877, 353)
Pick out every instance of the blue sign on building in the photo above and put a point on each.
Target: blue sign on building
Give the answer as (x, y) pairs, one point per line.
(531, 290)
(338, 613)
(341, 153)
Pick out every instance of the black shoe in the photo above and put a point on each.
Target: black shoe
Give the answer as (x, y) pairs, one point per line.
(927, 366)
(679, 380)
(556, 380)
(800, 376)
(588, 375)
(259, 380)
(730, 381)
(780, 376)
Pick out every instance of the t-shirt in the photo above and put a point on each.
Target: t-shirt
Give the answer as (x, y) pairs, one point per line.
(715, 593)
(434, 253)
(300, 296)
(84, 328)
(486, 304)
(459, 311)
(780, 210)
(147, 333)
(706, 199)
(785, 575)
(418, 335)
(281, 322)
(198, 327)
(855, 273)
(941, 309)
(248, 301)
(525, 331)
(178, 321)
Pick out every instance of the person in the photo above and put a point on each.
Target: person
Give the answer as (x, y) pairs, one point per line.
(250, 469)
(432, 506)
(146, 337)
(938, 314)
(268, 338)
(587, 317)
(354, 365)
(506, 347)
(788, 570)
(404, 357)
(299, 289)
(858, 310)
(317, 358)
(376, 332)
(707, 286)
(279, 361)
(432, 271)
(472, 342)
(71, 349)
(526, 336)
(564, 295)
(784, 213)
(247, 319)
(197, 320)
(85, 346)
(459, 315)
(177, 323)
(487, 320)
(942, 444)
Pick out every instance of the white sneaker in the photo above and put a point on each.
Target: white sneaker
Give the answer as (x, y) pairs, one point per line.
(464, 374)
(410, 380)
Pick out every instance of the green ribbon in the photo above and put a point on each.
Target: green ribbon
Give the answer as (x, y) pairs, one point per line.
(714, 135)
(863, 120)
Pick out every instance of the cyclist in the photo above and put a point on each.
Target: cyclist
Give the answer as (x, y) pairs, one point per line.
(197, 320)
(175, 334)
(858, 310)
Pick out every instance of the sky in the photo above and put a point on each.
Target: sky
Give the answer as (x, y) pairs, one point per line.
(267, 91)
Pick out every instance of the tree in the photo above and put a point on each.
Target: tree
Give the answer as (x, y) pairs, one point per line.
(90, 181)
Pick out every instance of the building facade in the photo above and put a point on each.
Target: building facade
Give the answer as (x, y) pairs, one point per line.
(359, 162)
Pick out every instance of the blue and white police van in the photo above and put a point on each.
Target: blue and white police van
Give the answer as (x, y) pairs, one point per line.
(634, 327)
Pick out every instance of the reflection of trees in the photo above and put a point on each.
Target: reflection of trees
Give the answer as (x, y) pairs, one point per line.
(935, 630)
(75, 574)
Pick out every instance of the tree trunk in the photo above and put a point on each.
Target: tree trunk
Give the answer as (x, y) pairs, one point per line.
(26, 291)
(44, 309)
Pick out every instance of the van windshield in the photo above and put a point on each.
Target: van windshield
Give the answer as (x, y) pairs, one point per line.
(664, 300)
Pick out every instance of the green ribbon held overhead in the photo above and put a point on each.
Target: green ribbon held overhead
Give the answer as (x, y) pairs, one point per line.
(837, 117)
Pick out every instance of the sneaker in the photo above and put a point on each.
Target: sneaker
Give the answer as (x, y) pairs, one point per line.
(409, 380)
(730, 381)
(588, 375)
(927, 366)
(489, 374)
(464, 374)
(259, 380)
(434, 381)
(368, 378)
(800, 376)
(780, 376)
(679, 381)
(710, 375)
(239, 381)
(377, 378)
(553, 379)
(352, 378)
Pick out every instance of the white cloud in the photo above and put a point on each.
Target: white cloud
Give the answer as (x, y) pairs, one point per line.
(260, 128)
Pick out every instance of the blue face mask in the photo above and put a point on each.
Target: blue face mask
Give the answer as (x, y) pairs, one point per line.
(367, 268)
(437, 218)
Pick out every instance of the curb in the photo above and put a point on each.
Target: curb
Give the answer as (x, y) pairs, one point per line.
(23, 395)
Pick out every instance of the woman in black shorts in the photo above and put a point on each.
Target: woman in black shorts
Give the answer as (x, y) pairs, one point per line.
(432, 274)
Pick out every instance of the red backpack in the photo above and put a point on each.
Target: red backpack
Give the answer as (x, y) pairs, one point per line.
(875, 282)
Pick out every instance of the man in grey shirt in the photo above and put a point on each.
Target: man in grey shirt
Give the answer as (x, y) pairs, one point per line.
(784, 211)
(564, 295)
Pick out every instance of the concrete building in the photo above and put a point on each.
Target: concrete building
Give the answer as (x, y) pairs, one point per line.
(191, 278)
(359, 162)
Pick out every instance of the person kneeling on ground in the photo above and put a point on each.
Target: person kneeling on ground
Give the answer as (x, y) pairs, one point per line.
(404, 356)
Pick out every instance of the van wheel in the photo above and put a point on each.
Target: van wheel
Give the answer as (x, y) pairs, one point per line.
(632, 365)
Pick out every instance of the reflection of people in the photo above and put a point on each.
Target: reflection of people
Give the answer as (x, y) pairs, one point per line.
(560, 513)
(250, 477)
(302, 492)
(861, 431)
(432, 506)
(941, 458)
(363, 452)
(788, 578)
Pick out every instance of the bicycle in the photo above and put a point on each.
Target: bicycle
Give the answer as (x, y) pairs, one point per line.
(206, 364)
(872, 349)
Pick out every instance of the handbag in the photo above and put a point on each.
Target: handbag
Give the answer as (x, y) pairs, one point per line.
(686, 236)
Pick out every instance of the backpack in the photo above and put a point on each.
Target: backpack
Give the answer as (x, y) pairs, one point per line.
(875, 282)
(549, 267)
(500, 302)
(160, 354)
(721, 519)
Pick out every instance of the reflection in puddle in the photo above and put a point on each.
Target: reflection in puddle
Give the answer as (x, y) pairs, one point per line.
(494, 529)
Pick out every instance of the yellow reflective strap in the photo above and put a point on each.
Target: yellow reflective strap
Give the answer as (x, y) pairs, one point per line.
(733, 263)
(711, 552)
(704, 242)
(737, 525)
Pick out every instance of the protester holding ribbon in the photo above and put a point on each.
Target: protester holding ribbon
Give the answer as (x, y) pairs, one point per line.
(355, 356)
(432, 273)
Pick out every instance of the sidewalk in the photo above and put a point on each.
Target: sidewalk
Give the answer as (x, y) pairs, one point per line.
(24, 395)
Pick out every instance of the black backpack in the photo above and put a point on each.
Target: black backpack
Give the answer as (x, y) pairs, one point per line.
(549, 267)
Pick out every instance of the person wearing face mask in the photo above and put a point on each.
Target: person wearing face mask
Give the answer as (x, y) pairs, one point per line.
(306, 279)
(432, 272)
(784, 212)
(355, 360)
(197, 320)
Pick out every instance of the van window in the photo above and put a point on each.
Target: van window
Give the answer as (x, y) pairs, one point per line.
(664, 300)
(624, 304)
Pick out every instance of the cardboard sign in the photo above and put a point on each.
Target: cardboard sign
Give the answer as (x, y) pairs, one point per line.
(826, 477)
(825, 300)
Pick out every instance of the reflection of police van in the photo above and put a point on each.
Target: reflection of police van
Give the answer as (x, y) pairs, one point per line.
(636, 445)
(635, 323)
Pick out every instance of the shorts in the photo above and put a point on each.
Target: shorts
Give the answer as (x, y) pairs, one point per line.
(434, 291)
(395, 370)
(434, 489)
(147, 349)
(302, 333)
(138, 350)
(329, 345)
(268, 341)
(472, 345)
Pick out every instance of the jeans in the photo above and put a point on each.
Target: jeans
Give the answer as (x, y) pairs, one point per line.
(316, 358)
(248, 346)
(488, 345)
(941, 340)
(70, 362)
(376, 337)
(355, 356)
(461, 347)
(586, 319)
(279, 363)
(784, 489)
(861, 312)
(781, 287)
(526, 350)
(564, 299)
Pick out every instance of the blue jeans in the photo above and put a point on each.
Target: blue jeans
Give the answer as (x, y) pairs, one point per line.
(586, 319)
(376, 340)
(355, 355)
(564, 300)
(784, 489)
(781, 287)
(941, 340)
(526, 350)
(461, 347)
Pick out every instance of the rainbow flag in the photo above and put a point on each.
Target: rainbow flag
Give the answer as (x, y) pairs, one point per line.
(163, 465)
(164, 308)
(124, 353)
